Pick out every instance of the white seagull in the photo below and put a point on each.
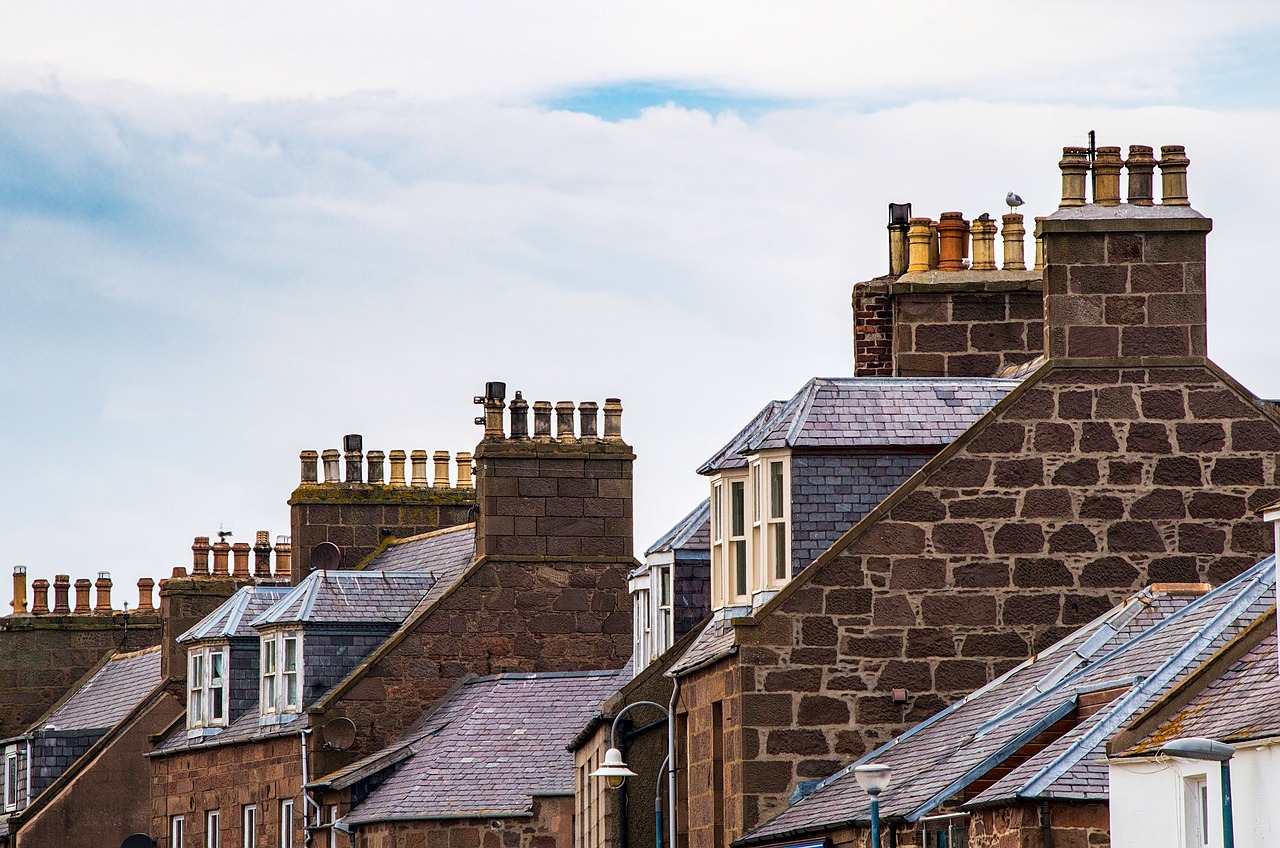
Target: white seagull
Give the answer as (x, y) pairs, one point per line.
(1013, 200)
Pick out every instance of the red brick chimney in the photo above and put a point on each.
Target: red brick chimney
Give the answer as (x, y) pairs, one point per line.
(1126, 281)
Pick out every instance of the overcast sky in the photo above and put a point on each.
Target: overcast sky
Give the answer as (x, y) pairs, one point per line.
(232, 231)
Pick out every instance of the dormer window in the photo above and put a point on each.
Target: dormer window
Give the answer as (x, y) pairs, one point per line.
(751, 531)
(281, 673)
(207, 687)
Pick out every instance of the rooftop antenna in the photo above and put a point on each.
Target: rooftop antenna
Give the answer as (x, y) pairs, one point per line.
(1093, 174)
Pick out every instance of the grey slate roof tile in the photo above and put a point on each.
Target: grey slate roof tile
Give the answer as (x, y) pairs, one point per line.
(441, 552)
(110, 694)
(1154, 639)
(715, 641)
(492, 747)
(232, 620)
(693, 532)
(356, 597)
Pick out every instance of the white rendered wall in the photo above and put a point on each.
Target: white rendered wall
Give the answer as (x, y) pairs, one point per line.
(1147, 801)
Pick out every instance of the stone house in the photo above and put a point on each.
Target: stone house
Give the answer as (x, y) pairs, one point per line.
(1024, 756)
(535, 585)
(1124, 457)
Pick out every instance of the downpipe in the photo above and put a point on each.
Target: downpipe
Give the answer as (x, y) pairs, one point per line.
(306, 796)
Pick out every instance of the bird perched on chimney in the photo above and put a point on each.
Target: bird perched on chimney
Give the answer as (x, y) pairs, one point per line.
(1013, 201)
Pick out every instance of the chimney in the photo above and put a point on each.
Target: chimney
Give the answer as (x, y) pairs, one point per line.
(984, 244)
(1106, 171)
(519, 417)
(464, 470)
(240, 554)
(145, 588)
(418, 459)
(377, 467)
(102, 606)
(352, 446)
(953, 241)
(919, 245)
(331, 472)
(200, 556)
(83, 607)
(899, 224)
(1140, 165)
(284, 556)
(441, 461)
(562, 496)
(19, 590)
(397, 468)
(220, 551)
(1013, 236)
(262, 555)
(61, 593)
(1075, 170)
(309, 458)
(40, 597)
(1125, 283)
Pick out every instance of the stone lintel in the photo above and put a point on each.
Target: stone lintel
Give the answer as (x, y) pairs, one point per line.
(530, 449)
(148, 621)
(1126, 219)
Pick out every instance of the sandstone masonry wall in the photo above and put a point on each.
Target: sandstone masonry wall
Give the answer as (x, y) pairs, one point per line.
(550, 826)
(965, 329)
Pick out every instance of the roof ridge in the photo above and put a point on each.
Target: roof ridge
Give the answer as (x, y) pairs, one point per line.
(154, 649)
(441, 531)
(540, 675)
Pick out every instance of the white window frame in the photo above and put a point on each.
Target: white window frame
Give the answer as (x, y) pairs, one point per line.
(280, 688)
(177, 831)
(737, 551)
(664, 622)
(212, 829)
(204, 700)
(1196, 810)
(11, 788)
(249, 826)
(778, 522)
(286, 823)
(333, 831)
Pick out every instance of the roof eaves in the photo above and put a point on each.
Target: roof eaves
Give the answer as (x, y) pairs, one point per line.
(1138, 696)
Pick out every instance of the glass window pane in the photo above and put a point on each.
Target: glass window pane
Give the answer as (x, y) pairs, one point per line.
(775, 489)
(737, 493)
(715, 513)
(780, 564)
(740, 567)
(755, 493)
(216, 661)
(291, 654)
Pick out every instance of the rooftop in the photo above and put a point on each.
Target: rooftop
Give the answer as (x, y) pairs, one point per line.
(108, 695)
(349, 597)
(232, 619)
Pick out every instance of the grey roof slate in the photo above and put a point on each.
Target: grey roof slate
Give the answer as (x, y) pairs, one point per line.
(715, 641)
(110, 694)
(441, 552)
(1144, 646)
(691, 533)
(349, 597)
(232, 620)
(731, 455)
(1241, 704)
(490, 749)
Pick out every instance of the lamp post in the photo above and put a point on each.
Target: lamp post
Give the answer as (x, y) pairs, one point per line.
(615, 771)
(874, 779)
(1199, 748)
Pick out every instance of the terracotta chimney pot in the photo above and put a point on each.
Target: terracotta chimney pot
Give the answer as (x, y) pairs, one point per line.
(441, 461)
(418, 461)
(464, 470)
(1173, 175)
(397, 468)
(953, 234)
(19, 590)
(145, 587)
(240, 551)
(919, 245)
(1141, 165)
(61, 592)
(1106, 171)
(1013, 235)
(40, 597)
(984, 244)
(83, 607)
(309, 458)
(102, 585)
(1075, 169)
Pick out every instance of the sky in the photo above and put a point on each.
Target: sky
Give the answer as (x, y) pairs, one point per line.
(230, 232)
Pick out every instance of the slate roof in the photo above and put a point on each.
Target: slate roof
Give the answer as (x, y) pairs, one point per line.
(732, 454)
(693, 532)
(715, 641)
(233, 618)
(1241, 704)
(1143, 648)
(109, 695)
(349, 597)
(488, 750)
(442, 552)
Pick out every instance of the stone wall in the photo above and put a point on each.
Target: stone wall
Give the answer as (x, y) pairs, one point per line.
(227, 778)
(719, 776)
(1020, 826)
(550, 826)
(966, 329)
(43, 656)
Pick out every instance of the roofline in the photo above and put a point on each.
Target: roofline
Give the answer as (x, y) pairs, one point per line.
(70, 693)
(1128, 703)
(1158, 712)
(479, 814)
(392, 541)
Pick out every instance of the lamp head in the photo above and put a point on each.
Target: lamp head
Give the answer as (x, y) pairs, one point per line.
(1198, 748)
(614, 771)
(873, 778)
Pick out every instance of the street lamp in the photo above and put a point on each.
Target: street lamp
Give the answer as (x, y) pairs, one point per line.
(874, 779)
(615, 772)
(1199, 748)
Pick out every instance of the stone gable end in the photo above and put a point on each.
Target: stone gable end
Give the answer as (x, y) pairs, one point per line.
(1083, 486)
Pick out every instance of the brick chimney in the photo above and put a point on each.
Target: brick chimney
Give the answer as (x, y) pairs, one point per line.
(357, 512)
(567, 495)
(1126, 281)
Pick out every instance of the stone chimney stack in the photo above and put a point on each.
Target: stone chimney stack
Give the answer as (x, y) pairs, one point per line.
(567, 496)
(1126, 281)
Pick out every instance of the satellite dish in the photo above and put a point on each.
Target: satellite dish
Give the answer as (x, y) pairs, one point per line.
(138, 840)
(339, 734)
(325, 556)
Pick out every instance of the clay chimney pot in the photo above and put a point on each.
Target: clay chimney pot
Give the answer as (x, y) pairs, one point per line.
(953, 237)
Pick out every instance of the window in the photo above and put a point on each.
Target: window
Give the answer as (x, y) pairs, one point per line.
(177, 832)
(207, 687)
(11, 781)
(1196, 810)
(281, 673)
(779, 561)
(286, 824)
(666, 620)
(738, 537)
(333, 831)
(249, 838)
(212, 837)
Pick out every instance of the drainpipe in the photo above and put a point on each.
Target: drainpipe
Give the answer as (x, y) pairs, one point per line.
(671, 759)
(306, 796)
(1046, 825)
